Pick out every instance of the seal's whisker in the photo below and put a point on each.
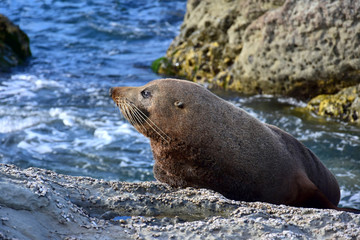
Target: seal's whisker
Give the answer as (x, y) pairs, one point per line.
(158, 130)
(130, 115)
(127, 112)
(137, 117)
(143, 118)
(131, 111)
(124, 110)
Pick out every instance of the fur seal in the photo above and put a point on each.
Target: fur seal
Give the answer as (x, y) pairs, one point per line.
(200, 140)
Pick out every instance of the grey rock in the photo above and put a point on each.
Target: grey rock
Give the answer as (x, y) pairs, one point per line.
(40, 204)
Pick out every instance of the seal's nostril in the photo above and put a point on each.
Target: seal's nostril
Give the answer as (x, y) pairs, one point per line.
(111, 91)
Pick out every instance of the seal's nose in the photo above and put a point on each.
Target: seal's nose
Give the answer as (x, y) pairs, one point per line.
(111, 91)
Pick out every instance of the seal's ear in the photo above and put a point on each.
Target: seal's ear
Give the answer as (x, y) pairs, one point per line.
(179, 104)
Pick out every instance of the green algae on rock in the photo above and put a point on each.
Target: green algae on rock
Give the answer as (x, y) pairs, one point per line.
(292, 48)
(14, 44)
(344, 105)
(162, 66)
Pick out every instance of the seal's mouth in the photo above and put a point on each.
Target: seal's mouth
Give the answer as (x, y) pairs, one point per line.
(139, 118)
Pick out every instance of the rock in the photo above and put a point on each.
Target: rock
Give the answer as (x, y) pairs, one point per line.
(40, 204)
(292, 48)
(14, 44)
(344, 105)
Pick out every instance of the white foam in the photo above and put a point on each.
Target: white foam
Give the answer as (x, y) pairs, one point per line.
(355, 198)
(310, 135)
(347, 174)
(126, 129)
(125, 162)
(24, 145)
(103, 134)
(43, 148)
(21, 87)
(35, 147)
(83, 143)
(105, 131)
(292, 101)
(46, 83)
(63, 115)
(10, 124)
(14, 119)
(34, 81)
(16, 89)
(351, 199)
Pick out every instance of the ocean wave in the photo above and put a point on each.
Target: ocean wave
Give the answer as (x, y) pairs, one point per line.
(13, 119)
(21, 87)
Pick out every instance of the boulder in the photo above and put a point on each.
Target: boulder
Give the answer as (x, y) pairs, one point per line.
(40, 204)
(292, 48)
(14, 44)
(344, 105)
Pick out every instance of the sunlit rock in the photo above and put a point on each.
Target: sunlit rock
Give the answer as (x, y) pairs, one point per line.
(292, 48)
(344, 105)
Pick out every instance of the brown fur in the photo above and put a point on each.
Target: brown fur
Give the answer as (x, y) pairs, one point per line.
(209, 143)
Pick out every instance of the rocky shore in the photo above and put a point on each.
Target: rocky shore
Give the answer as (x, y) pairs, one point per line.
(40, 204)
(14, 44)
(293, 48)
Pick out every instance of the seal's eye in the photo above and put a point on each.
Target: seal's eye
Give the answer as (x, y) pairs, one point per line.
(146, 93)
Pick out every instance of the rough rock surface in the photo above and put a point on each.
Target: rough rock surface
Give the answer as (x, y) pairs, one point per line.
(344, 105)
(294, 48)
(40, 204)
(14, 44)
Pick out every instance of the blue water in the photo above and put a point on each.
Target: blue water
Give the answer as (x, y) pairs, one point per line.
(55, 112)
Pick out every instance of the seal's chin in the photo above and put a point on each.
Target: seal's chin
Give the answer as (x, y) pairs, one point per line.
(140, 119)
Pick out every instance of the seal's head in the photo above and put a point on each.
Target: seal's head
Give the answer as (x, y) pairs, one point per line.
(150, 108)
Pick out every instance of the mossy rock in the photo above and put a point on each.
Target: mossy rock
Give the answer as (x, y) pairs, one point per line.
(157, 63)
(278, 47)
(162, 66)
(14, 44)
(344, 105)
